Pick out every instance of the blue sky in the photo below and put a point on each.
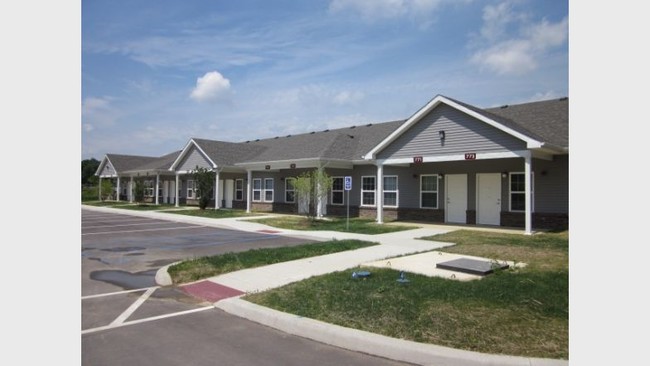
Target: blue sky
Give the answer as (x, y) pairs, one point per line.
(156, 73)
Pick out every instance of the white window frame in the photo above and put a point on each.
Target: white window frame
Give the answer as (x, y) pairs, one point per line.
(258, 190)
(266, 190)
(532, 191)
(396, 191)
(287, 190)
(437, 191)
(342, 190)
(374, 191)
(239, 189)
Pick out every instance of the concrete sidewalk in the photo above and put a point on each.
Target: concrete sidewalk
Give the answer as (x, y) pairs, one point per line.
(395, 244)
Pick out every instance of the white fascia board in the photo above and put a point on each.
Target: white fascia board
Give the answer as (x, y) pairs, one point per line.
(459, 157)
(531, 143)
(101, 166)
(186, 150)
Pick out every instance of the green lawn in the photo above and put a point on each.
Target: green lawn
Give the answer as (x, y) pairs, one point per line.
(196, 269)
(522, 312)
(356, 225)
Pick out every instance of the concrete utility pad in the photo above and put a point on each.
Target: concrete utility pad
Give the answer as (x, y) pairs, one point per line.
(427, 264)
(472, 266)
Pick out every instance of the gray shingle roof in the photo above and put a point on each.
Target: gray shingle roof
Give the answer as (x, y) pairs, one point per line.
(123, 163)
(348, 143)
(547, 119)
(162, 163)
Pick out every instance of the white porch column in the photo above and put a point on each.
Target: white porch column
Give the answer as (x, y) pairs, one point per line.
(217, 204)
(249, 175)
(527, 194)
(157, 187)
(118, 188)
(99, 188)
(131, 190)
(176, 188)
(379, 193)
(319, 200)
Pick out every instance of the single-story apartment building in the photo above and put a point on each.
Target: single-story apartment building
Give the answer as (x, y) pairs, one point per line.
(450, 162)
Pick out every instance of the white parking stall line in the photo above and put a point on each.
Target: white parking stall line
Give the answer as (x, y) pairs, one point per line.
(92, 330)
(127, 313)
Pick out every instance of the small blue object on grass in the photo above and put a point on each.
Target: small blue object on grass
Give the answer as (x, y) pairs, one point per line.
(402, 278)
(361, 274)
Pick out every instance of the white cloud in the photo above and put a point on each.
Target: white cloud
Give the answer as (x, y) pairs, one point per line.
(509, 44)
(510, 57)
(373, 10)
(210, 87)
(348, 97)
(97, 112)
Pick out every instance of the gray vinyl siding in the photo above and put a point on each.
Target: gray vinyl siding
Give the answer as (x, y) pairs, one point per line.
(463, 134)
(193, 159)
(552, 185)
(108, 170)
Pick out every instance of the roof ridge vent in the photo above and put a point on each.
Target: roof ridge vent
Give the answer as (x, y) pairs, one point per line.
(276, 137)
(369, 124)
(248, 141)
(504, 106)
(563, 98)
(353, 127)
(326, 130)
(312, 132)
(257, 140)
(288, 135)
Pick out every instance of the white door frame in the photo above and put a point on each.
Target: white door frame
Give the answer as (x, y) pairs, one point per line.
(488, 199)
(456, 198)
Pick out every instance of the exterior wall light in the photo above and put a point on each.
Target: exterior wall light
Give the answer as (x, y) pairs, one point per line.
(504, 174)
(441, 134)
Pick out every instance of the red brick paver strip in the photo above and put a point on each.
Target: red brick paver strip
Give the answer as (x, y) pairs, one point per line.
(210, 291)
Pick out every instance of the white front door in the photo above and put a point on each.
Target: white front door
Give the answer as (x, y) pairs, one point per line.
(229, 190)
(456, 198)
(488, 198)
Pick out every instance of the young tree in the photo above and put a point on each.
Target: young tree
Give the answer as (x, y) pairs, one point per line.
(313, 186)
(204, 180)
(138, 191)
(106, 189)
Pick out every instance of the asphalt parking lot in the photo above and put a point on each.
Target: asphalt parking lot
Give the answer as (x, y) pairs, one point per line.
(128, 319)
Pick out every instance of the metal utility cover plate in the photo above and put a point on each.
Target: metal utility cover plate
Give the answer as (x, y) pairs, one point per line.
(471, 266)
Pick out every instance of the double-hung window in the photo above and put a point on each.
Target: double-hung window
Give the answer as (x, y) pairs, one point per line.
(518, 192)
(268, 189)
(239, 190)
(257, 189)
(290, 190)
(337, 190)
(368, 190)
(429, 191)
(390, 191)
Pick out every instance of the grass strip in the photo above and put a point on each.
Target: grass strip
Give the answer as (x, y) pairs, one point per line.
(356, 225)
(204, 267)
